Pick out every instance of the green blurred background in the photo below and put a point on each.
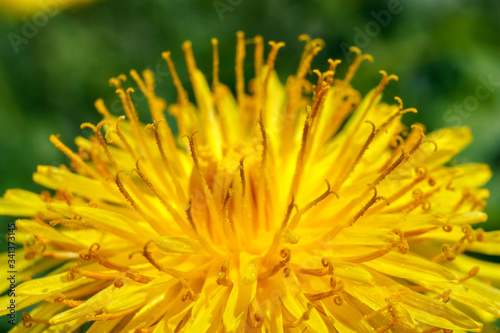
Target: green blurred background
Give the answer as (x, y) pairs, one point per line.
(443, 52)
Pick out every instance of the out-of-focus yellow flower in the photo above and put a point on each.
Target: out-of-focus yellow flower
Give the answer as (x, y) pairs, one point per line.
(19, 8)
(288, 208)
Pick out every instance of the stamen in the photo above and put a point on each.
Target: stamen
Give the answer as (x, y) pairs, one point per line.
(277, 236)
(117, 81)
(173, 174)
(355, 65)
(447, 255)
(258, 60)
(182, 96)
(156, 105)
(156, 263)
(101, 108)
(194, 156)
(70, 275)
(465, 196)
(271, 59)
(254, 319)
(133, 117)
(421, 172)
(165, 202)
(447, 227)
(348, 171)
(319, 98)
(473, 272)
(28, 320)
(39, 248)
(100, 138)
(304, 317)
(445, 296)
(391, 168)
(61, 299)
(240, 78)
(327, 269)
(190, 215)
(380, 87)
(370, 256)
(299, 166)
(215, 68)
(367, 206)
(223, 279)
(122, 137)
(264, 142)
(399, 113)
(209, 197)
(338, 287)
(393, 300)
(403, 246)
(111, 316)
(74, 157)
(155, 224)
(311, 49)
(310, 205)
(286, 255)
(333, 67)
(243, 181)
(228, 230)
(203, 241)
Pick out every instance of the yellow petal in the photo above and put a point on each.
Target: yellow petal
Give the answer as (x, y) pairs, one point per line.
(207, 307)
(410, 267)
(17, 202)
(106, 221)
(297, 304)
(178, 244)
(436, 313)
(46, 232)
(131, 294)
(92, 189)
(242, 294)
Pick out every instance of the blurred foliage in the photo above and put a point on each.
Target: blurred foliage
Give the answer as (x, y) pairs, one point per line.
(441, 51)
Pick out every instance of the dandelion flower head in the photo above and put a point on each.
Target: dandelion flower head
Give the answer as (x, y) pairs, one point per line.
(295, 207)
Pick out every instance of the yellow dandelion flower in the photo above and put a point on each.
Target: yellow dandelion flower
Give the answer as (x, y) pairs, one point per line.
(301, 207)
